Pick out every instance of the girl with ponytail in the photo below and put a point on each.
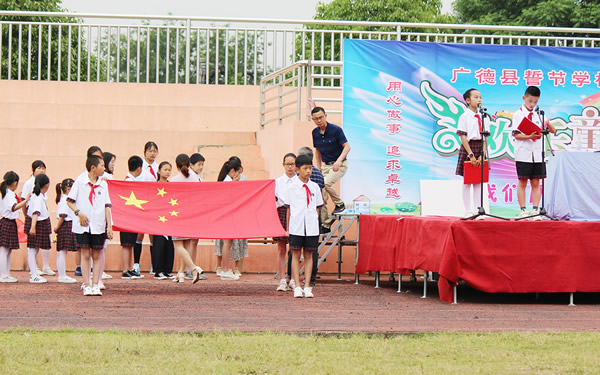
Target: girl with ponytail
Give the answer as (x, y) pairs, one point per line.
(65, 238)
(9, 211)
(184, 246)
(37, 226)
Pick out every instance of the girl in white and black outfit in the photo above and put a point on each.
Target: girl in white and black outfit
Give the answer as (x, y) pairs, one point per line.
(65, 238)
(9, 211)
(37, 226)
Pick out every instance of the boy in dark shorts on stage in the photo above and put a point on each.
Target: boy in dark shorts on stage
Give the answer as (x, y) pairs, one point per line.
(304, 200)
(128, 240)
(528, 151)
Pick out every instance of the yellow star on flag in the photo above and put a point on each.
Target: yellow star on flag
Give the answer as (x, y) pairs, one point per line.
(162, 219)
(174, 213)
(161, 192)
(173, 202)
(133, 201)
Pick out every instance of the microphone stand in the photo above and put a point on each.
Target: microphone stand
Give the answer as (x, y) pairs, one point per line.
(484, 134)
(545, 138)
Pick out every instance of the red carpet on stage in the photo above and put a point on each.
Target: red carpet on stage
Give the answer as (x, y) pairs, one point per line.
(490, 255)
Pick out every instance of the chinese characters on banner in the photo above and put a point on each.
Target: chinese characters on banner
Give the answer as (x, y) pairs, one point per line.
(531, 77)
(394, 125)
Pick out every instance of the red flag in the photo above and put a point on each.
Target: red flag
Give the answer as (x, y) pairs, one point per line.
(225, 210)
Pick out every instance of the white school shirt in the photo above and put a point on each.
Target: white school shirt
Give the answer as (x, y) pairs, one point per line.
(146, 175)
(468, 123)
(304, 219)
(195, 175)
(6, 205)
(28, 188)
(63, 209)
(281, 185)
(527, 150)
(130, 177)
(37, 203)
(79, 194)
(179, 177)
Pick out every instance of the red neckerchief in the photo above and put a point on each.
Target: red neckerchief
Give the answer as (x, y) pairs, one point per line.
(307, 194)
(92, 192)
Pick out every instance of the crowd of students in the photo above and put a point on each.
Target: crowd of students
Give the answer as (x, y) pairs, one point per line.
(84, 222)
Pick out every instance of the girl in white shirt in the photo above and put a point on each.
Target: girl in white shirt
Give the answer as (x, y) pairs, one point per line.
(281, 185)
(37, 226)
(9, 211)
(184, 246)
(65, 238)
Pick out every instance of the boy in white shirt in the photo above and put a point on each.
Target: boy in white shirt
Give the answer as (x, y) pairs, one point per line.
(92, 224)
(528, 151)
(304, 200)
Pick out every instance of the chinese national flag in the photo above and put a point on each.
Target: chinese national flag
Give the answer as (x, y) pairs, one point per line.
(224, 210)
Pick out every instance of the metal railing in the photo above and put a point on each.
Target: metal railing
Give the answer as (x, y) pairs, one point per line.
(281, 92)
(200, 50)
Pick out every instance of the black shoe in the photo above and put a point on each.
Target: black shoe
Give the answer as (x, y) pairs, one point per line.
(126, 275)
(323, 230)
(168, 275)
(338, 209)
(135, 275)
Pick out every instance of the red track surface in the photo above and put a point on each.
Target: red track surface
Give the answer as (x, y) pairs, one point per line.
(252, 304)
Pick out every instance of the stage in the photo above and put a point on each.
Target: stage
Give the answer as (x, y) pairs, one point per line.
(491, 255)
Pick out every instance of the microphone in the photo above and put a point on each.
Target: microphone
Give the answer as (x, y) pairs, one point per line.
(539, 111)
(481, 108)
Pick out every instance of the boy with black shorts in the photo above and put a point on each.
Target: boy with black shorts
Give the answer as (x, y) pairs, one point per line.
(92, 224)
(528, 152)
(304, 200)
(128, 240)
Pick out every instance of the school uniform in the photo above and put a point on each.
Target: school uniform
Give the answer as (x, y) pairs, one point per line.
(282, 183)
(65, 238)
(149, 171)
(528, 152)
(9, 236)
(43, 227)
(303, 199)
(469, 125)
(91, 199)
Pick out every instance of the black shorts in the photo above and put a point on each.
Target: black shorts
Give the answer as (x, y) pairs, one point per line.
(530, 171)
(90, 241)
(307, 242)
(128, 239)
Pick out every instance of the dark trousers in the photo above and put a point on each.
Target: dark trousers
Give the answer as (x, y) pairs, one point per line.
(163, 254)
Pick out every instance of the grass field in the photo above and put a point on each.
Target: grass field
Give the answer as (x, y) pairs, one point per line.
(111, 352)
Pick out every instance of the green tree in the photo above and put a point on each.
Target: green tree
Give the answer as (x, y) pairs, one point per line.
(37, 50)
(549, 13)
(326, 45)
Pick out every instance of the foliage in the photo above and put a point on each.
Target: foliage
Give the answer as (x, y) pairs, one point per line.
(549, 13)
(28, 50)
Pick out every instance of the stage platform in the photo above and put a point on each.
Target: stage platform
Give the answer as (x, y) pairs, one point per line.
(490, 255)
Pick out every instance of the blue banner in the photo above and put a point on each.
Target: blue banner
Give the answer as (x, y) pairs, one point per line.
(402, 101)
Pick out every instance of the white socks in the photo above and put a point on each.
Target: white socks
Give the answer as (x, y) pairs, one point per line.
(45, 258)
(466, 195)
(61, 263)
(31, 254)
(4, 262)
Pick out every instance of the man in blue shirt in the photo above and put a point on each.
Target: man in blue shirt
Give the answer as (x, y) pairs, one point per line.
(331, 150)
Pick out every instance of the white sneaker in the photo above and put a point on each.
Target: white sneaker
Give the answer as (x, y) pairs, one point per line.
(96, 291)
(39, 272)
(298, 292)
(8, 279)
(101, 285)
(37, 280)
(237, 272)
(523, 213)
(229, 276)
(87, 290)
(47, 271)
(292, 285)
(308, 292)
(536, 218)
(66, 280)
(106, 276)
(218, 271)
(283, 286)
